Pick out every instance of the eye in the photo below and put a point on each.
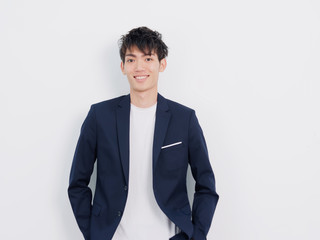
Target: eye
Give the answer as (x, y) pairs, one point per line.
(148, 59)
(129, 60)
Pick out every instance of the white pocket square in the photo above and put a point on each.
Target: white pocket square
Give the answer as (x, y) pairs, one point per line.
(170, 145)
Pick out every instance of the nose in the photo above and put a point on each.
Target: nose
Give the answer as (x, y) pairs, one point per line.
(139, 65)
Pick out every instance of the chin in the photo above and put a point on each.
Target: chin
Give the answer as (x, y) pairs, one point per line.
(141, 90)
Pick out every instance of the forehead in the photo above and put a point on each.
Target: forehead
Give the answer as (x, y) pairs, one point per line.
(135, 51)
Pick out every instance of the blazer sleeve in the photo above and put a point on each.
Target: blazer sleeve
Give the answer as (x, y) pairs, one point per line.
(80, 194)
(205, 197)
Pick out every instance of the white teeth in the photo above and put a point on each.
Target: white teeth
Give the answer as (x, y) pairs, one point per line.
(143, 77)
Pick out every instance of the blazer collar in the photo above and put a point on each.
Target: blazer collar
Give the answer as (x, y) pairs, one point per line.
(123, 123)
(161, 102)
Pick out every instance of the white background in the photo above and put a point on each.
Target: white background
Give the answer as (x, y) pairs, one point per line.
(250, 69)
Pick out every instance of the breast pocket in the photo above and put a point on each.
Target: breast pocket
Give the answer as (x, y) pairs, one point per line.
(172, 145)
(174, 156)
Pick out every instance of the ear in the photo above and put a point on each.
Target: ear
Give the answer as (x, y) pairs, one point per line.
(163, 65)
(122, 68)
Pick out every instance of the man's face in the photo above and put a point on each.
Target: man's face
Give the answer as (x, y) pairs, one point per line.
(142, 70)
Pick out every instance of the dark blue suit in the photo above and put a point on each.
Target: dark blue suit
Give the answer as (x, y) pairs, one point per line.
(104, 137)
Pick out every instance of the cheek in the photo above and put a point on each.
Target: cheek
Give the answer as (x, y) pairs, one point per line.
(154, 68)
(127, 70)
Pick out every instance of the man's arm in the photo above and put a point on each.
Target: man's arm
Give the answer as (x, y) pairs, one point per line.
(205, 197)
(80, 194)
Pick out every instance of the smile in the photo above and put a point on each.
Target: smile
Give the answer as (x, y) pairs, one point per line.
(141, 77)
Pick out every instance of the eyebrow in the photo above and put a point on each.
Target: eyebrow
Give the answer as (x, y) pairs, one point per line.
(133, 55)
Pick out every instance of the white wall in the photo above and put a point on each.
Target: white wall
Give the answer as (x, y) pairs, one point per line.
(249, 68)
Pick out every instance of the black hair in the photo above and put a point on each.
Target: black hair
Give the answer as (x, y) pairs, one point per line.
(146, 40)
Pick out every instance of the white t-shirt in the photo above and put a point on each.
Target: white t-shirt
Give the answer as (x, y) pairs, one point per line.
(142, 217)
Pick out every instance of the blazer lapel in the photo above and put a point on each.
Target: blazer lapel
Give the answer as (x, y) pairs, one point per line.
(162, 120)
(123, 124)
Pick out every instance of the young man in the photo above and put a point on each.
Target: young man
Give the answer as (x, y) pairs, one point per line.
(142, 143)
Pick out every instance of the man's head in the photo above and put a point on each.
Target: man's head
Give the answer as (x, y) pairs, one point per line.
(142, 58)
(145, 40)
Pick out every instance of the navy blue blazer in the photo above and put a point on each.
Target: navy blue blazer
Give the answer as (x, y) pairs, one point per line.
(104, 137)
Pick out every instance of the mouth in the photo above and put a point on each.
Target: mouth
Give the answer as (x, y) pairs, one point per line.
(141, 78)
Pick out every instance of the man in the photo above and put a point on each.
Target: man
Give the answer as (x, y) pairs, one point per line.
(142, 143)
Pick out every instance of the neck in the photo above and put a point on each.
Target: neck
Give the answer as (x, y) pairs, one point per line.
(143, 99)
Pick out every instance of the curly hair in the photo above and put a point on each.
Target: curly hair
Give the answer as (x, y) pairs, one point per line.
(146, 40)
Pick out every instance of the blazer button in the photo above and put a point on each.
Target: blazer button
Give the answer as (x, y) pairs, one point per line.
(119, 213)
(125, 188)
